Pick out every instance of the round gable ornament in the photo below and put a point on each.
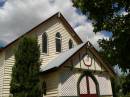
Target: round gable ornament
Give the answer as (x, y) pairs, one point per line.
(87, 60)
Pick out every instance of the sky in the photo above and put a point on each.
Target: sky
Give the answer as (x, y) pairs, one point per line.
(2, 2)
(19, 16)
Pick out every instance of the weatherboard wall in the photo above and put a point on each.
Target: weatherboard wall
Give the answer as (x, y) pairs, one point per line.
(51, 29)
(1, 72)
(9, 62)
(54, 80)
(63, 82)
(52, 83)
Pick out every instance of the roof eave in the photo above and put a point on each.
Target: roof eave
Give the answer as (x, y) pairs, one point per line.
(94, 51)
(107, 66)
(49, 71)
(74, 34)
(64, 61)
(59, 15)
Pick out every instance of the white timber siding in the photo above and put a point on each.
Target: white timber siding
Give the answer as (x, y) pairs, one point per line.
(52, 82)
(51, 29)
(1, 72)
(62, 82)
(9, 62)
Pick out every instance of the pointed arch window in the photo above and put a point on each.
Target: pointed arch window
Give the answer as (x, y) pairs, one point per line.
(58, 42)
(44, 43)
(71, 45)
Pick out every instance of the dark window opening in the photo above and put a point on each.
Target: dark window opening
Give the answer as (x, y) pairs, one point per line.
(58, 42)
(71, 45)
(44, 43)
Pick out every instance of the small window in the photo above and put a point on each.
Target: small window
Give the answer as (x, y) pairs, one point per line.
(44, 43)
(58, 42)
(71, 45)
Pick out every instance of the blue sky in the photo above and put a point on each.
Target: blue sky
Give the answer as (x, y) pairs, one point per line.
(107, 34)
(19, 16)
(2, 3)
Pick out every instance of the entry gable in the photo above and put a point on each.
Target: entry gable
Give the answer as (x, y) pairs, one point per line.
(89, 59)
(86, 60)
(82, 57)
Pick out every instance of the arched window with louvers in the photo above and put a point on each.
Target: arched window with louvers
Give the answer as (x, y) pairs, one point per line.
(71, 45)
(58, 42)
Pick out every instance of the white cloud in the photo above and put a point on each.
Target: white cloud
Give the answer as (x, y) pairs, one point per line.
(19, 16)
(85, 31)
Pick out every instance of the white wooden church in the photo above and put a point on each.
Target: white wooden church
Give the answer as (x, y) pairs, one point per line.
(69, 66)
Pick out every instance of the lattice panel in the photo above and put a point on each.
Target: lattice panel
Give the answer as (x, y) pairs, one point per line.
(83, 86)
(69, 84)
(92, 86)
(104, 82)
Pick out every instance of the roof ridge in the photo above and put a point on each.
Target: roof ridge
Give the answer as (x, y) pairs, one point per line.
(58, 14)
(55, 63)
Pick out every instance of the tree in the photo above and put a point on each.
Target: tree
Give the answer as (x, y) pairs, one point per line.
(121, 86)
(25, 76)
(126, 85)
(108, 15)
(112, 16)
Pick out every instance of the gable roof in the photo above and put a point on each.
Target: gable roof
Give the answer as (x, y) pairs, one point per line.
(60, 17)
(63, 57)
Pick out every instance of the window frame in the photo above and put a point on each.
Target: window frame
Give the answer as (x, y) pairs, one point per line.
(60, 39)
(72, 44)
(45, 34)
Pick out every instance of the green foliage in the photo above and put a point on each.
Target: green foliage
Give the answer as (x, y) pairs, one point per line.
(25, 77)
(126, 85)
(117, 86)
(120, 86)
(106, 15)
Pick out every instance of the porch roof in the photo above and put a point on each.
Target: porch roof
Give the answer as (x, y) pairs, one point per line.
(58, 61)
(63, 57)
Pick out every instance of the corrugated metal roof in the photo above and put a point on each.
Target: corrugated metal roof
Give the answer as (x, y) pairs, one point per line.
(61, 58)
